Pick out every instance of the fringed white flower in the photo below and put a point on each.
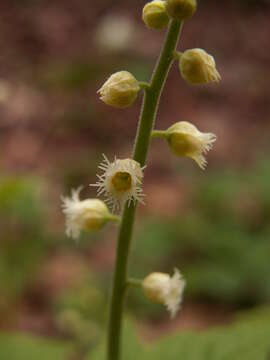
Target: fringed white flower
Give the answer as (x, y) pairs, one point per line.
(162, 288)
(89, 214)
(186, 140)
(120, 182)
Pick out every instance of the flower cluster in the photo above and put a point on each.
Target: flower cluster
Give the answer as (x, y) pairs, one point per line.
(121, 179)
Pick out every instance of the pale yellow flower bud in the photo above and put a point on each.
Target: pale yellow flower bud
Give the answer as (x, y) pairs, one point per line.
(120, 90)
(89, 214)
(120, 182)
(198, 67)
(155, 15)
(181, 9)
(185, 139)
(162, 288)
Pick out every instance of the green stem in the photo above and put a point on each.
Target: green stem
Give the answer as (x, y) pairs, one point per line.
(177, 55)
(142, 142)
(112, 217)
(144, 85)
(134, 282)
(159, 134)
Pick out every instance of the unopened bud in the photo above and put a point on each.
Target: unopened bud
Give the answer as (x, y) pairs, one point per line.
(120, 90)
(181, 9)
(198, 67)
(155, 15)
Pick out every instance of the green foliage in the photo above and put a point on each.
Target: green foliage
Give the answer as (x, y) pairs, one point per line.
(79, 313)
(71, 76)
(221, 244)
(246, 339)
(19, 201)
(83, 298)
(22, 238)
(23, 347)
(77, 75)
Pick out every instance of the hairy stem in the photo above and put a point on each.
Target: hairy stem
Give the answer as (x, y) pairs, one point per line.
(146, 123)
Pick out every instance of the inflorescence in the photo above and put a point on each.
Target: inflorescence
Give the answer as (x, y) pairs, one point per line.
(121, 180)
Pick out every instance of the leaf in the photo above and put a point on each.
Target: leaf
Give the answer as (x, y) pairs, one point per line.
(248, 338)
(23, 347)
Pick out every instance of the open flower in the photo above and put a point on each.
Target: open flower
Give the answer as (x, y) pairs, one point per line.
(89, 214)
(120, 182)
(120, 90)
(162, 288)
(185, 139)
(198, 67)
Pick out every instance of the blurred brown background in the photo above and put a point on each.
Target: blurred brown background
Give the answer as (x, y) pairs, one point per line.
(213, 225)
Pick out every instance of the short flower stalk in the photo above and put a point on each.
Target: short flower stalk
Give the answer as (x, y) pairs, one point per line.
(120, 181)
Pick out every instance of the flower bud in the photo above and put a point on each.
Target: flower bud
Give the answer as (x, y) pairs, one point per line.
(162, 288)
(185, 140)
(181, 9)
(155, 15)
(89, 214)
(198, 67)
(120, 90)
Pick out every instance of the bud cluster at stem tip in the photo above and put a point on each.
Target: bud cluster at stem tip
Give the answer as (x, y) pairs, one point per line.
(157, 13)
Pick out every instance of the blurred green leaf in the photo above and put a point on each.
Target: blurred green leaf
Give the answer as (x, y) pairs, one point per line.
(246, 339)
(26, 347)
(22, 213)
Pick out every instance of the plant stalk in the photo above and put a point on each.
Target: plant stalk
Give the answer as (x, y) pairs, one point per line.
(159, 134)
(142, 142)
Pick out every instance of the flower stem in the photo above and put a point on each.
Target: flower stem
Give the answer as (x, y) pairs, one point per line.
(159, 134)
(113, 217)
(142, 142)
(144, 85)
(134, 282)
